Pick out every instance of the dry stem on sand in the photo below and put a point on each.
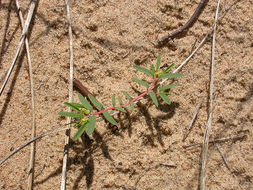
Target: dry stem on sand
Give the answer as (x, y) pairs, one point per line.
(210, 111)
(71, 70)
(33, 132)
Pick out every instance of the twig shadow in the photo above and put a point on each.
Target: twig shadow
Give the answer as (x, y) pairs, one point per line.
(87, 170)
(4, 40)
(83, 156)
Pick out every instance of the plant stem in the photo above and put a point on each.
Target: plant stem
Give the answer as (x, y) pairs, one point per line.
(152, 86)
(82, 89)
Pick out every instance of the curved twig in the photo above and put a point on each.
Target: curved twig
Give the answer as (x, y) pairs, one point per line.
(32, 155)
(163, 40)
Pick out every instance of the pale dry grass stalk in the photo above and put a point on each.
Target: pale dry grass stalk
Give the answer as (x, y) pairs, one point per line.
(32, 155)
(21, 41)
(196, 49)
(208, 126)
(218, 140)
(191, 55)
(192, 121)
(71, 55)
(222, 156)
(30, 141)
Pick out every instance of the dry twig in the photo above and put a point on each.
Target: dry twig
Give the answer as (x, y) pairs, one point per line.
(218, 141)
(191, 55)
(186, 26)
(193, 119)
(222, 156)
(208, 126)
(31, 163)
(71, 55)
(30, 141)
(24, 33)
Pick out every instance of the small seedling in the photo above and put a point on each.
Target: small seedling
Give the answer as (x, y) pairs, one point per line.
(86, 116)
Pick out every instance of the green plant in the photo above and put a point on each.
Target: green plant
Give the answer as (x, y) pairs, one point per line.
(87, 117)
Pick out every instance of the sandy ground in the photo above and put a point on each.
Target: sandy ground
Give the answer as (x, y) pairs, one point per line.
(146, 152)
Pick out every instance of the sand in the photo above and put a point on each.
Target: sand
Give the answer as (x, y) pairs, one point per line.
(146, 151)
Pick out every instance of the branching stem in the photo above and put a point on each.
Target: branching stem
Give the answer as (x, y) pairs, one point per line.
(152, 86)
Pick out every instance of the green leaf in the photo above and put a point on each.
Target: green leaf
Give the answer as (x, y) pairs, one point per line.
(153, 97)
(131, 106)
(127, 95)
(144, 70)
(170, 75)
(71, 106)
(85, 102)
(96, 103)
(120, 100)
(109, 118)
(80, 131)
(152, 68)
(140, 82)
(113, 100)
(167, 87)
(91, 125)
(121, 109)
(158, 63)
(77, 105)
(71, 114)
(169, 68)
(165, 98)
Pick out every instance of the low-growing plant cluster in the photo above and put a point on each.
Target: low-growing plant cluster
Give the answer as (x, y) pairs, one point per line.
(87, 117)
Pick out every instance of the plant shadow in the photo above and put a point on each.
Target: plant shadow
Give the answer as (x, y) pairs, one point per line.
(83, 155)
(153, 123)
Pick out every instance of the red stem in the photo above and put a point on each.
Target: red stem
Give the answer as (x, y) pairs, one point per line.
(131, 101)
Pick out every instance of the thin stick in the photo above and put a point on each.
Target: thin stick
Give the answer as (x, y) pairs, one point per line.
(222, 156)
(195, 50)
(32, 140)
(218, 140)
(64, 128)
(65, 156)
(82, 89)
(208, 126)
(32, 155)
(24, 33)
(191, 55)
(193, 119)
(186, 26)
